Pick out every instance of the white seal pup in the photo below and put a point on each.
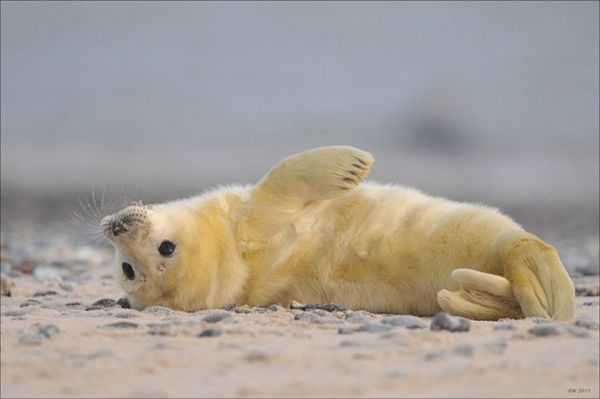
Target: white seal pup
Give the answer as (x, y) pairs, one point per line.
(310, 231)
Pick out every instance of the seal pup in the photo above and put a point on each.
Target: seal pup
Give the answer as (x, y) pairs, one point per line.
(311, 231)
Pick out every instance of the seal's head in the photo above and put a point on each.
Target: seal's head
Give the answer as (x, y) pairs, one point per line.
(173, 254)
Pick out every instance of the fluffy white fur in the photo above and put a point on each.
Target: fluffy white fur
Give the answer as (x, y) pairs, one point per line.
(310, 231)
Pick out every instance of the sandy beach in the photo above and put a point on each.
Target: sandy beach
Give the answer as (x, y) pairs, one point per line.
(64, 334)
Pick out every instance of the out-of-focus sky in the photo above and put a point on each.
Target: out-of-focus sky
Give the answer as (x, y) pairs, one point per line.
(491, 100)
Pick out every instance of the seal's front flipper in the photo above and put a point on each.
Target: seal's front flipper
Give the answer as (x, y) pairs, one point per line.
(317, 174)
(481, 296)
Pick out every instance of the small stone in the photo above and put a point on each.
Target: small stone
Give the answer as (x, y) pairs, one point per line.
(211, 332)
(216, 316)
(588, 322)
(126, 315)
(66, 287)
(360, 316)
(242, 309)
(435, 355)
(504, 326)
(161, 329)
(32, 338)
(497, 347)
(443, 321)
(158, 310)
(120, 324)
(49, 330)
(124, 303)
(72, 304)
(346, 330)
(102, 304)
(44, 293)
(587, 291)
(464, 350)
(544, 330)
(29, 302)
(14, 313)
(374, 327)
(580, 332)
(407, 321)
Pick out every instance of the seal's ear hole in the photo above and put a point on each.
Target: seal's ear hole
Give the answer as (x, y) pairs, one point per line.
(128, 270)
(166, 248)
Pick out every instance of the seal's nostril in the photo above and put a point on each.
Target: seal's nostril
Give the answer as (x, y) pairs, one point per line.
(117, 228)
(128, 271)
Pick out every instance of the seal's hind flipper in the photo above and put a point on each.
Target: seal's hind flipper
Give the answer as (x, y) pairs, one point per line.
(538, 279)
(482, 296)
(317, 174)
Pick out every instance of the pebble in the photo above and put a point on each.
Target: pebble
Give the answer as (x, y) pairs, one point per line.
(242, 309)
(14, 313)
(44, 293)
(158, 310)
(103, 303)
(46, 274)
(29, 302)
(407, 321)
(211, 332)
(586, 291)
(120, 324)
(161, 329)
(374, 327)
(497, 347)
(464, 350)
(580, 332)
(504, 326)
(346, 330)
(38, 334)
(216, 316)
(124, 303)
(443, 321)
(126, 315)
(328, 307)
(588, 322)
(544, 330)
(360, 316)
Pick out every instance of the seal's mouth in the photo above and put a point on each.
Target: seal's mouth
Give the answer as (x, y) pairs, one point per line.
(128, 271)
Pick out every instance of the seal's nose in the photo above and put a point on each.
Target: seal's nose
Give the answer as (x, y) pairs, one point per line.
(117, 227)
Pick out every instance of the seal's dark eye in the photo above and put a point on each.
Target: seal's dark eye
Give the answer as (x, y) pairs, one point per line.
(128, 271)
(166, 248)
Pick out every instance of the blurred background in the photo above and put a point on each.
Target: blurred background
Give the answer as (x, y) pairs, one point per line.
(493, 102)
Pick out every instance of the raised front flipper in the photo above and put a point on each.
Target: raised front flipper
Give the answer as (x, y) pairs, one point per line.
(318, 174)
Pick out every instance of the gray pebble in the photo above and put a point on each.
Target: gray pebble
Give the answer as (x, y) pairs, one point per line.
(66, 287)
(578, 331)
(44, 293)
(242, 309)
(72, 304)
(544, 330)
(504, 326)
(374, 327)
(211, 332)
(161, 329)
(124, 303)
(587, 291)
(346, 330)
(216, 316)
(49, 330)
(103, 303)
(443, 321)
(29, 302)
(407, 321)
(435, 355)
(359, 316)
(126, 315)
(588, 322)
(14, 313)
(158, 310)
(32, 338)
(120, 324)
(464, 350)
(497, 347)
